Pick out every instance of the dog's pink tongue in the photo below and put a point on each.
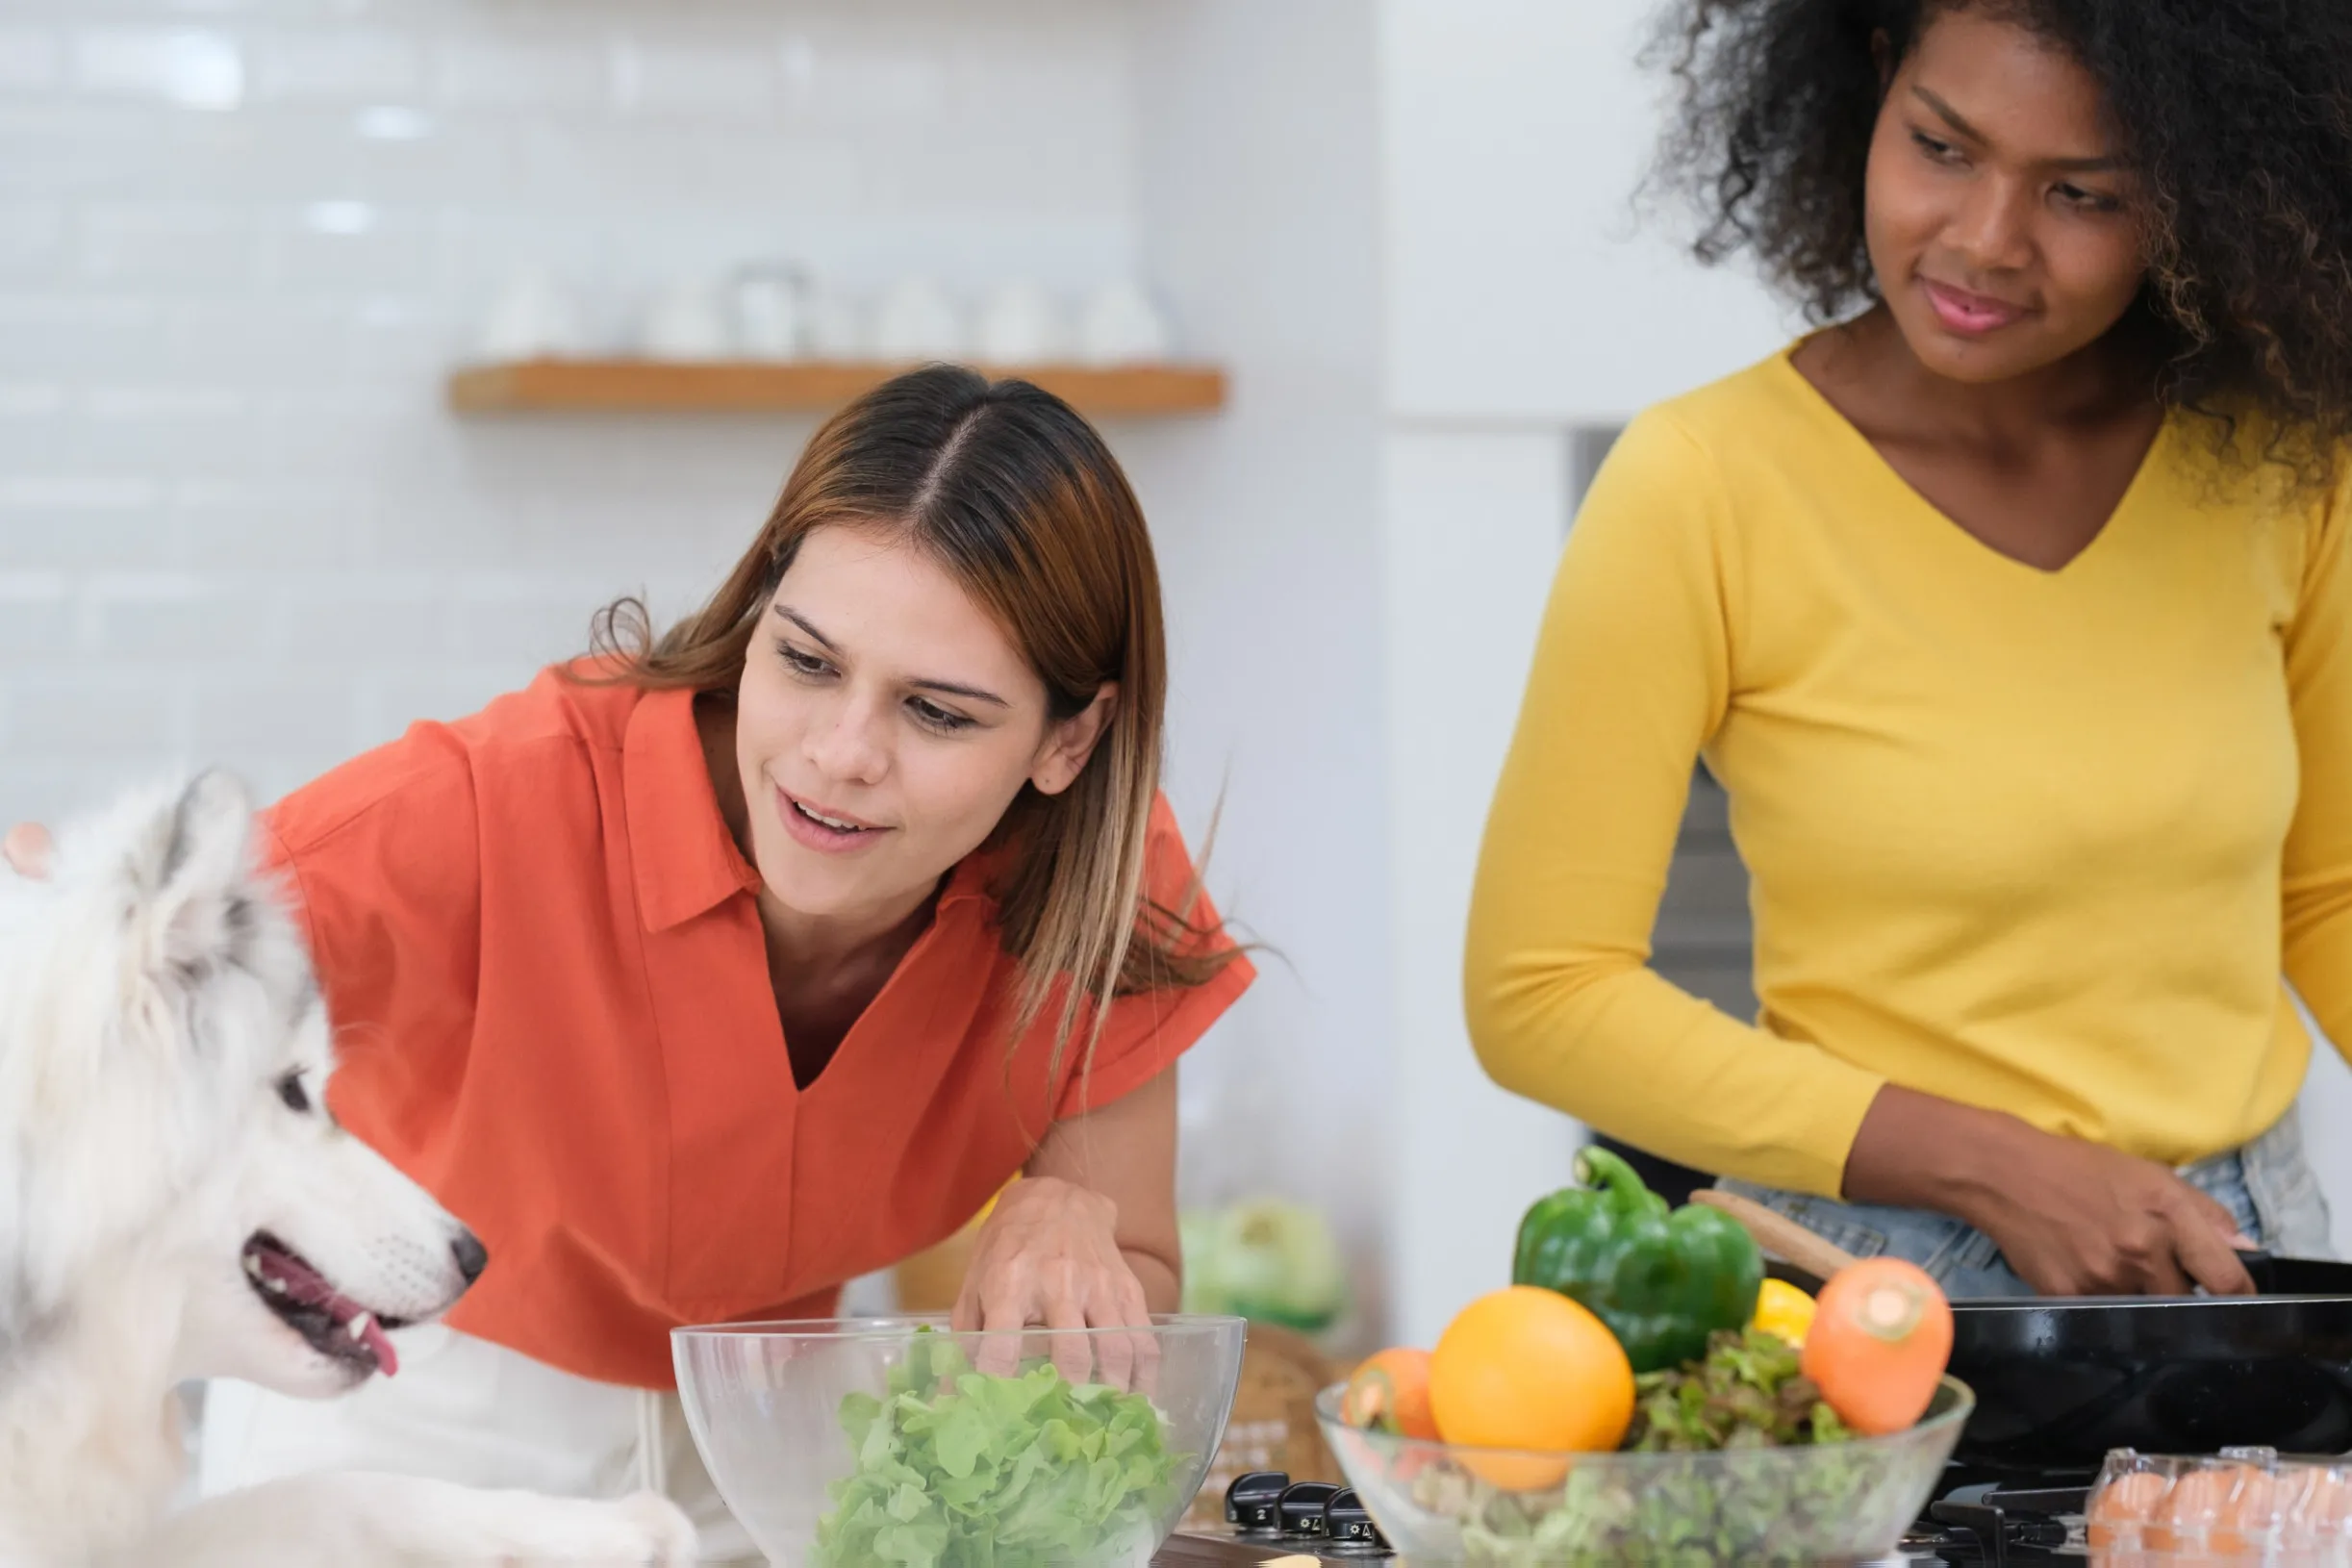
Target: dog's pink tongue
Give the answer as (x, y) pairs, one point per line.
(388, 1359)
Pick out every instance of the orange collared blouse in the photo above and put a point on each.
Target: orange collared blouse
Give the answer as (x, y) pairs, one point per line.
(544, 955)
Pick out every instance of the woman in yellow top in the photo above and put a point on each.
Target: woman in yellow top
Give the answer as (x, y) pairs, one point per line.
(2015, 613)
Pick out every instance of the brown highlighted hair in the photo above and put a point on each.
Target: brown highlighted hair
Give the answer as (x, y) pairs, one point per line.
(1017, 498)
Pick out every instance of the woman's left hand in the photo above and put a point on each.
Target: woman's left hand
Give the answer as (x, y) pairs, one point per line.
(1049, 1257)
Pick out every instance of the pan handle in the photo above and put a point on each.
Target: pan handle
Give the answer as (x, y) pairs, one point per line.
(1778, 1235)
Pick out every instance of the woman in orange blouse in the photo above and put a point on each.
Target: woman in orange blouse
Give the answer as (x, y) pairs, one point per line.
(706, 975)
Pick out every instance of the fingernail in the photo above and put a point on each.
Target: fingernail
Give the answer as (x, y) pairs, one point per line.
(2245, 1242)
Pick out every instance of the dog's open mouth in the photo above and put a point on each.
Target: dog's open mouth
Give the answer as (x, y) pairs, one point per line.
(328, 1321)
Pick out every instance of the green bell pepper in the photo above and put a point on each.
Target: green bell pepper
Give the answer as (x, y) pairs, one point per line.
(1662, 1282)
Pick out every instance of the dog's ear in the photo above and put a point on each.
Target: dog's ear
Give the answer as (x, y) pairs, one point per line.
(203, 856)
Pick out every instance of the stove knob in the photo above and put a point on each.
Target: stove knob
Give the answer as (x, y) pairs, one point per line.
(1254, 1501)
(1349, 1523)
(1303, 1506)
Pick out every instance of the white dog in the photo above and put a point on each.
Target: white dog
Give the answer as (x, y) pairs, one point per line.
(175, 1202)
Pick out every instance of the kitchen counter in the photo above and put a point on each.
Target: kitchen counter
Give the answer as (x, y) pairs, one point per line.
(1225, 1552)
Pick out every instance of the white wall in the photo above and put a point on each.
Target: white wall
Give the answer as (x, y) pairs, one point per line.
(240, 244)
(1257, 180)
(1524, 303)
(1525, 285)
(1471, 525)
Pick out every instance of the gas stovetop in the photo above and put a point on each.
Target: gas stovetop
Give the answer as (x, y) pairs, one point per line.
(1232, 1552)
(2000, 1523)
(1269, 1516)
(1978, 1521)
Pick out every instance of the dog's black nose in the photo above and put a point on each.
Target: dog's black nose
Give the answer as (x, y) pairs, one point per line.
(472, 1257)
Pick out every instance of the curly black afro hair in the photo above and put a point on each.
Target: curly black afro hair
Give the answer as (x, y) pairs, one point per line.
(2237, 115)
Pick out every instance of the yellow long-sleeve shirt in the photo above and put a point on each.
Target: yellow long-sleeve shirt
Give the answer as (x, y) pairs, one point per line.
(2043, 842)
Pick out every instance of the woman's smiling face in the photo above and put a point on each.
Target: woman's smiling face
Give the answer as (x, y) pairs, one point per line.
(884, 723)
(2001, 223)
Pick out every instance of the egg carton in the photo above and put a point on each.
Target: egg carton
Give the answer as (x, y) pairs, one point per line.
(2240, 1509)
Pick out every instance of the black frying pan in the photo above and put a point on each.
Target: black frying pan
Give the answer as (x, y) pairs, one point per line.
(2059, 1381)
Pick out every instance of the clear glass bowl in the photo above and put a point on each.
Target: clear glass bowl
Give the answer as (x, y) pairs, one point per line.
(859, 1442)
(1440, 1503)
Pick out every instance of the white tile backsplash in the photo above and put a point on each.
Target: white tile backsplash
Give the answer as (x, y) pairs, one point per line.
(241, 245)
(32, 59)
(337, 64)
(554, 68)
(174, 245)
(191, 68)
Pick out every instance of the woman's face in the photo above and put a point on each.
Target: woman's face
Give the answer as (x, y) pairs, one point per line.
(2002, 227)
(884, 723)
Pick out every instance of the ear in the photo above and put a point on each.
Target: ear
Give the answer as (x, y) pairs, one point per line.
(1072, 741)
(203, 856)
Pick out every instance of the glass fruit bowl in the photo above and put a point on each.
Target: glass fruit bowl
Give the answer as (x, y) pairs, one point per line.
(859, 1442)
(1849, 1502)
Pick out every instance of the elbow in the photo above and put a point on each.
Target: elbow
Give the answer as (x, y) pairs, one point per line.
(1495, 1032)
(1530, 1019)
(1515, 1070)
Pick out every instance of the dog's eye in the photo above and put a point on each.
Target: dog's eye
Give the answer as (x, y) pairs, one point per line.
(290, 1090)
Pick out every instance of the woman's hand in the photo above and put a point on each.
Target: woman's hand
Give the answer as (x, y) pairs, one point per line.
(1048, 1257)
(2072, 1218)
(1086, 1240)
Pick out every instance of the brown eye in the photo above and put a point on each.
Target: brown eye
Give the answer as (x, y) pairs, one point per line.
(931, 716)
(800, 663)
(1942, 152)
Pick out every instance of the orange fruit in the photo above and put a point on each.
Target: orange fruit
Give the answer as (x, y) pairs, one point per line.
(1526, 1368)
(1390, 1393)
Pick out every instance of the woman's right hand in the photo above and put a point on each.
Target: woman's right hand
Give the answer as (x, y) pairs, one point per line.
(2071, 1218)
(28, 848)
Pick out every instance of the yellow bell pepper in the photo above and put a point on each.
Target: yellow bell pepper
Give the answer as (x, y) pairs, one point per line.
(1783, 1310)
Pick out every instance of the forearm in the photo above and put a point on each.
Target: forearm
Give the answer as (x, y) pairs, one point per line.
(1620, 1048)
(1124, 1154)
(2070, 1217)
(1918, 1150)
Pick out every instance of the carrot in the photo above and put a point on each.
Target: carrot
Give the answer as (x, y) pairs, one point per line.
(1881, 1336)
(1390, 1393)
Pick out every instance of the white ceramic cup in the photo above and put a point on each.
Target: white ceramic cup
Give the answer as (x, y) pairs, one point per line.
(771, 312)
(686, 321)
(834, 326)
(916, 320)
(533, 317)
(1121, 325)
(1020, 324)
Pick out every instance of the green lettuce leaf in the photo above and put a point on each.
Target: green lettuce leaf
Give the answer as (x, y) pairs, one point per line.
(957, 1469)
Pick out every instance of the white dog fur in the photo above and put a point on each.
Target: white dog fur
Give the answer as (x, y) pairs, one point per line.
(166, 1166)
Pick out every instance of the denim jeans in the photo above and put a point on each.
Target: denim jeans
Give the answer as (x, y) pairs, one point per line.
(2268, 1186)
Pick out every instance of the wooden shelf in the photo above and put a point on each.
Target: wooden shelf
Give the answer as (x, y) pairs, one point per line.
(754, 387)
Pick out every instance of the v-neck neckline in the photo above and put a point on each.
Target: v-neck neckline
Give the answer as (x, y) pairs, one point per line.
(967, 885)
(2099, 545)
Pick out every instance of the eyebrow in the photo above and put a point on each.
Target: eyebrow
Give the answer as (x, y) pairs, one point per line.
(1954, 118)
(922, 683)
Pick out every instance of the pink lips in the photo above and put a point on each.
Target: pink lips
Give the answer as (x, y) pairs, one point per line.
(808, 830)
(1966, 315)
